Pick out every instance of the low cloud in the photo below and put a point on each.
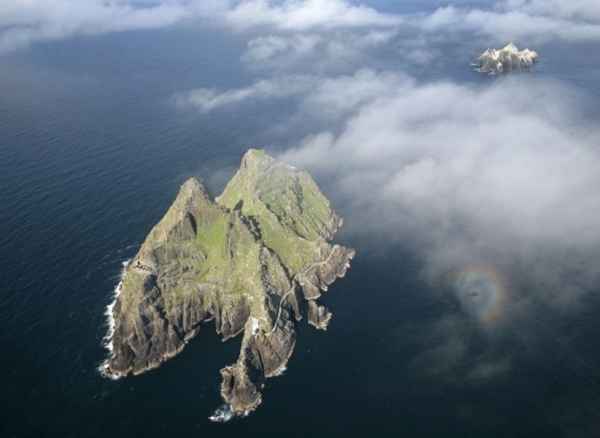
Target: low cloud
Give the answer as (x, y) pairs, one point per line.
(301, 15)
(582, 10)
(512, 22)
(308, 32)
(320, 51)
(451, 350)
(415, 39)
(265, 48)
(330, 96)
(209, 99)
(23, 23)
(502, 175)
(276, 27)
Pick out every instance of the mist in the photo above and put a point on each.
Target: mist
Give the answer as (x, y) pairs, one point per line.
(503, 174)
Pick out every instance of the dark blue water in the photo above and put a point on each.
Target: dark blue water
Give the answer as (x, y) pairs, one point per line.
(92, 152)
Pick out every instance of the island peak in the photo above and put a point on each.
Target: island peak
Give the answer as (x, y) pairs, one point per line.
(506, 60)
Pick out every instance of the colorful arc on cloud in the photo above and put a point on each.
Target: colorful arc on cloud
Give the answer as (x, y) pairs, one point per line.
(481, 292)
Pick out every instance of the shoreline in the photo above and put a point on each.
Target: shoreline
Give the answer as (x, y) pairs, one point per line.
(107, 340)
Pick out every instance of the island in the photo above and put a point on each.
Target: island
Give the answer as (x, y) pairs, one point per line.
(505, 60)
(254, 261)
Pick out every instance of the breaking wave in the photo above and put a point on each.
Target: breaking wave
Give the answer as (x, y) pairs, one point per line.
(223, 414)
(107, 340)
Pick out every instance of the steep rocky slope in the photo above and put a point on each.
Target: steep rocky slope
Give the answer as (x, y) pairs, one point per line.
(254, 261)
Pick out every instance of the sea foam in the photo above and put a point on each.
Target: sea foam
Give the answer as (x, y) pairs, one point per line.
(222, 415)
(107, 341)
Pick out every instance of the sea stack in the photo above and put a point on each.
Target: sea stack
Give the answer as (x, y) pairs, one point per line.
(505, 60)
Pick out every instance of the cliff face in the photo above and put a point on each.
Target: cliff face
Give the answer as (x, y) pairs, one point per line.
(247, 260)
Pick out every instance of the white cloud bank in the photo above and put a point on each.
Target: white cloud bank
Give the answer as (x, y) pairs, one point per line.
(23, 22)
(299, 15)
(512, 22)
(209, 99)
(504, 175)
(318, 50)
(327, 95)
(293, 34)
(584, 10)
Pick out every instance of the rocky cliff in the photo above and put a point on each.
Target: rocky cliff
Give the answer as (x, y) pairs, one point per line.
(254, 260)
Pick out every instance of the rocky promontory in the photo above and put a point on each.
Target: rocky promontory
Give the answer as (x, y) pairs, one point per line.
(254, 261)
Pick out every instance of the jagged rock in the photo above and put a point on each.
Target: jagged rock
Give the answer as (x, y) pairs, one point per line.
(245, 260)
(506, 60)
(318, 316)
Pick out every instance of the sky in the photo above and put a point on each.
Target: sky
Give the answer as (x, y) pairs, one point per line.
(501, 174)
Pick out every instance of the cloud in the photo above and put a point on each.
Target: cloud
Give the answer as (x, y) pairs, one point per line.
(582, 10)
(319, 51)
(531, 21)
(265, 48)
(280, 23)
(415, 39)
(322, 30)
(504, 175)
(501, 175)
(300, 15)
(333, 96)
(208, 99)
(288, 28)
(26, 22)
(452, 351)
(486, 371)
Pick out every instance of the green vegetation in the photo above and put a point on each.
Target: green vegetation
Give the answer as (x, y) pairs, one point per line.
(294, 217)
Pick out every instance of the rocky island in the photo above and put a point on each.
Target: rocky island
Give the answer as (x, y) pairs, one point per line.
(254, 261)
(505, 60)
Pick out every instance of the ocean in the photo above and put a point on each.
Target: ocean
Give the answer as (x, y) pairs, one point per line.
(92, 152)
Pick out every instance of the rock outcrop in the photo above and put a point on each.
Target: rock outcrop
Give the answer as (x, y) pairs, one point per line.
(247, 260)
(505, 60)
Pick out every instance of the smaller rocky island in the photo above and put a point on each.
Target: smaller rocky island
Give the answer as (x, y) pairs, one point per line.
(254, 261)
(505, 60)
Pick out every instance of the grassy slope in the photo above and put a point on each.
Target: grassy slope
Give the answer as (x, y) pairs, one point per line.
(293, 215)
